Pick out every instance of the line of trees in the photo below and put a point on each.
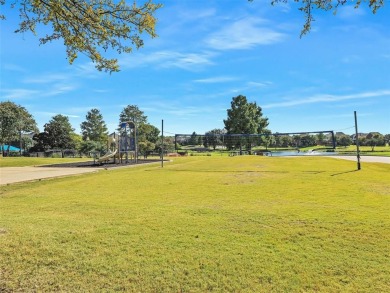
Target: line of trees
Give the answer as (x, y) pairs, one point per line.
(243, 117)
(15, 120)
(219, 139)
(59, 135)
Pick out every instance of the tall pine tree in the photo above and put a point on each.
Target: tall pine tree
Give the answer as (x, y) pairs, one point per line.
(94, 128)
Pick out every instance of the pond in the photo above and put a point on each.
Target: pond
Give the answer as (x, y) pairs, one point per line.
(298, 153)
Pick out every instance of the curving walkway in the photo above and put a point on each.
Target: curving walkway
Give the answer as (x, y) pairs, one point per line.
(10, 175)
(364, 159)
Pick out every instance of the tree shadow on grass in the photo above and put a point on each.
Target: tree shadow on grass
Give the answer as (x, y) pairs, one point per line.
(346, 172)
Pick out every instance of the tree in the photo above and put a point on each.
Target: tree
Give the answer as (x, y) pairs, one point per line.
(213, 138)
(308, 6)
(193, 139)
(58, 133)
(244, 118)
(148, 136)
(320, 138)
(145, 148)
(286, 141)
(90, 27)
(268, 139)
(296, 140)
(387, 138)
(14, 120)
(148, 132)
(168, 144)
(94, 128)
(87, 147)
(77, 139)
(374, 139)
(27, 142)
(41, 142)
(307, 140)
(133, 113)
(343, 140)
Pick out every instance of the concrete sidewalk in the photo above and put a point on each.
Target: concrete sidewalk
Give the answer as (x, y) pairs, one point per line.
(364, 159)
(10, 175)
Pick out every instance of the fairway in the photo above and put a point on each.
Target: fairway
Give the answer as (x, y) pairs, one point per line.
(223, 224)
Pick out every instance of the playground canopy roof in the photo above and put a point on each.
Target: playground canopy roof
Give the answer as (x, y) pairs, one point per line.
(11, 148)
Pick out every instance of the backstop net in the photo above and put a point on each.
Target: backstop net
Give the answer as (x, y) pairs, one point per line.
(253, 142)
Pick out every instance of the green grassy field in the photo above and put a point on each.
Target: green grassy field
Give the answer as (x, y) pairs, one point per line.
(366, 150)
(32, 161)
(223, 224)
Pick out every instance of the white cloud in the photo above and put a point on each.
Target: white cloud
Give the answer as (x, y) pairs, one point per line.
(12, 94)
(258, 84)
(46, 78)
(82, 109)
(71, 116)
(351, 59)
(20, 93)
(14, 67)
(59, 89)
(51, 114)
(243, 34)
(349, 11)
(196, 14)
(217, 79)
(168, 59)
(325, 98)
(177, 110)
(87, 70)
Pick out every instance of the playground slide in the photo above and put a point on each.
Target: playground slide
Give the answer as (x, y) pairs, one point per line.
(107, 156)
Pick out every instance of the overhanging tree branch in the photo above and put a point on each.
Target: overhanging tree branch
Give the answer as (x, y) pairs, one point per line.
(90, 27)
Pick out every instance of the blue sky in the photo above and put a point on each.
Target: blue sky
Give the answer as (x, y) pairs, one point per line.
(208, 52)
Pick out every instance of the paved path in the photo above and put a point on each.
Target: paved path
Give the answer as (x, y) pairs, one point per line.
(364, 159)
(19, 174)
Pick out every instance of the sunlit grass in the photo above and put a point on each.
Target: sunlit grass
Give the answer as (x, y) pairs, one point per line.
(32, 161)
(227, 224)
(366, 150)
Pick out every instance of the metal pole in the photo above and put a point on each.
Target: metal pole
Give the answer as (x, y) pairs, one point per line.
(333, 140)
(135, 143)
(357, 142)
(20, 142)
(162, 143)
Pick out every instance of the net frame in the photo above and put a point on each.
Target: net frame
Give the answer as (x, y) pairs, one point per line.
(242, 142)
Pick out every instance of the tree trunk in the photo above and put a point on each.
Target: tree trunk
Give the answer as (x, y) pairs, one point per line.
(8, 147)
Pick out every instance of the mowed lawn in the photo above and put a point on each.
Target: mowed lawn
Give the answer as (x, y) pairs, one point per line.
(222, 224)
(32, 161)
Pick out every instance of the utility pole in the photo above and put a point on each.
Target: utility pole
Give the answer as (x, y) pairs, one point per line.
(357, 142)
(162, 143)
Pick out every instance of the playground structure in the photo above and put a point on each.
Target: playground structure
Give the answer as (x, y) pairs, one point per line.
(122, 146)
